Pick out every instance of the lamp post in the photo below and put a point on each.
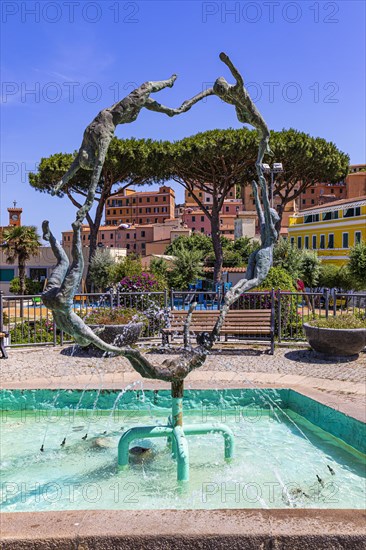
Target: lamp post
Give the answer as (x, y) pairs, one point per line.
(276, 168)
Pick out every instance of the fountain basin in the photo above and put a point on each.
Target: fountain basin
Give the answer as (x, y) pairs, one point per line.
(119, 335)
(274, 430)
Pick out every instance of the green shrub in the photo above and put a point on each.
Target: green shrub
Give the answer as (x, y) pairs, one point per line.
(339, 322)
(33, 332)
(291, 322)
(5, 318)
(31, 287)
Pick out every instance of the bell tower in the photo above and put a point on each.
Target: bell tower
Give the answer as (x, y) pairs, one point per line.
(15, 215)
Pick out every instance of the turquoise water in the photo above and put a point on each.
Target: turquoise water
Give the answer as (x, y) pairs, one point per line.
(282, 460)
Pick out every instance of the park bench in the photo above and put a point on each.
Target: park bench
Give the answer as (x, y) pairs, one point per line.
(3, 335)
(257, 323)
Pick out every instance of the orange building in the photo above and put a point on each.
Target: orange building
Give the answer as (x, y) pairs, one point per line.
(322, 193)
(356, 181)
(145, 207)
(195, 218)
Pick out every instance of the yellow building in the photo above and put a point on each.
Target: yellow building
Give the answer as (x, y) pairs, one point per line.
(331, 229)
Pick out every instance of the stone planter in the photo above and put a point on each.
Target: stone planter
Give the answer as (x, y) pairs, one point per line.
(128, 334)
(340, 342)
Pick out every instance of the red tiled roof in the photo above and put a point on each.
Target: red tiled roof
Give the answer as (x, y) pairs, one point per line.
(335, 203)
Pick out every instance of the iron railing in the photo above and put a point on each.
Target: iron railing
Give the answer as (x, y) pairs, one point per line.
(30, 323)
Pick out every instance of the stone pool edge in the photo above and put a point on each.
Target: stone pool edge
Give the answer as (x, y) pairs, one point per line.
(189, 529)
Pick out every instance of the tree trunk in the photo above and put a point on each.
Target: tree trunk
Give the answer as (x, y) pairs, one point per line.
(21, 268)
(94, 231)
(217, 246)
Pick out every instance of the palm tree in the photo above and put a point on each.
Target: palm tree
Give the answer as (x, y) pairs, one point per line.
(20, 243)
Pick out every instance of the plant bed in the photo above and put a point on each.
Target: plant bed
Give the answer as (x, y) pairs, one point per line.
(342, 336)
(118, 326)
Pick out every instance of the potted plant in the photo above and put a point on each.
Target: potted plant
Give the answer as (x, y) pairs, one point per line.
(118, 326)
(342, 335)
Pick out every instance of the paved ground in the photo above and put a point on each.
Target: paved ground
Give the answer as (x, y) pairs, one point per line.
(50, 367)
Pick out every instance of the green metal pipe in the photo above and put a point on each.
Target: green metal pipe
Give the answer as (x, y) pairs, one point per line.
(139, 432)
(182, 454)
(200, 429)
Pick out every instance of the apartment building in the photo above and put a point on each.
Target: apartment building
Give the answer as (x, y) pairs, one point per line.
(140, 207)
(132, 239)
(331, 229)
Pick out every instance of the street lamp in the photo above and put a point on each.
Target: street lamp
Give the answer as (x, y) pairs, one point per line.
(277, 168)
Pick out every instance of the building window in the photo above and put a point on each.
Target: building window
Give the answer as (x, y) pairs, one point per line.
(306, 242)
(312, 191)
(202, 218)
(357, 237)
(331, 240)
(142, 233)
(345, 240)
(156, 199)
(312, 201)
(102, 236)
(202, 230)
(314, 242)
(127, 235)
(108, 212)
(156, 210)
(140, 200)
(143, 245)
(7, 275)
(148, 199)
(114, 212)
(148, 220)
(292, 240)
(351, 212)
(164, 199)
(227, 209)
(322, 242)
(128, 246)
(299, 242)
(140, 220)
(193, 218)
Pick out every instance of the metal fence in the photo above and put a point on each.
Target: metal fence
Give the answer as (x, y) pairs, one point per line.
(30, 323)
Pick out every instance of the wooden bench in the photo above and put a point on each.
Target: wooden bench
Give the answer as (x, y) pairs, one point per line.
(246, 322)
(3, 335)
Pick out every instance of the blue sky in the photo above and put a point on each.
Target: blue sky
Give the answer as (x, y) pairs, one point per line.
(62, 62)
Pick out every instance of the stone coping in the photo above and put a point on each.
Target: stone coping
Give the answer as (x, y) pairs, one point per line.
(185, 529)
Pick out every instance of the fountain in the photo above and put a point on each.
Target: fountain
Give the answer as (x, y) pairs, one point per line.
(65, 280)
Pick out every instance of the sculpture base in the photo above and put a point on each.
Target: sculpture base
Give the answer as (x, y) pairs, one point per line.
(176, 439)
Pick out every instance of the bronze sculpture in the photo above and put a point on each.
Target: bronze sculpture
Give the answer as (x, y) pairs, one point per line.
(63, 283)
